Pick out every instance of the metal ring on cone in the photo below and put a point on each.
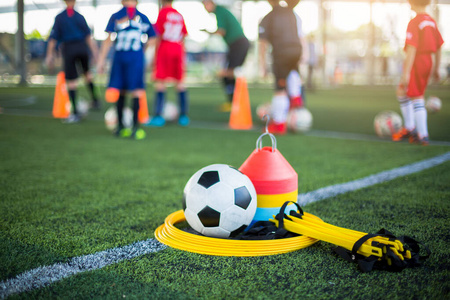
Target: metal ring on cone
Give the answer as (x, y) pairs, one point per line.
(171, 236)
(272, 137)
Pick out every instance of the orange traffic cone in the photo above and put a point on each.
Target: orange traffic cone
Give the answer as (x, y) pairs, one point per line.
(112, 95)
(241, 115)
(143, 109)
(61, 102)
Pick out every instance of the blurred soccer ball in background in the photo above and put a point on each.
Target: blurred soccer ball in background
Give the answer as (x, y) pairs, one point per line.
(433, 104)
(111, 118)
(387, 123)
(82, 107)
(299, 119)
(170, 111)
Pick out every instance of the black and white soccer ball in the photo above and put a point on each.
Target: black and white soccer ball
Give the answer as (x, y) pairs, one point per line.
(219, 201)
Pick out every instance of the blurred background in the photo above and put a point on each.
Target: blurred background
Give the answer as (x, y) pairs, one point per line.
(353, 41)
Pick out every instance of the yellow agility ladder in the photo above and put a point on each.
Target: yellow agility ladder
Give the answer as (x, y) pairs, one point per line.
(380, 251)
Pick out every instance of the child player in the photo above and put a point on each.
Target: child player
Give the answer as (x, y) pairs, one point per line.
(422, 40)
(74, 35)
(129, 27)
(279, 28)
(170, 63)
(238, 45)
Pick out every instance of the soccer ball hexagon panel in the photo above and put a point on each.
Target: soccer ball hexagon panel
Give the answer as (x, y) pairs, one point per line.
(219, 201)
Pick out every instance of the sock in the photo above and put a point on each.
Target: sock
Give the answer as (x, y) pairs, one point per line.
(135, 112)
(73, 99)
(420, 116)
(229, 83)
(91, 89)
(120, 105)
(407, 110)
(159, 102)
(280, 108)
(183, 101)
(293, 84)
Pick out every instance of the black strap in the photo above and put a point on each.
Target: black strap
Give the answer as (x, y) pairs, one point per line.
(390, 260)
(281, 215)
(266, 230)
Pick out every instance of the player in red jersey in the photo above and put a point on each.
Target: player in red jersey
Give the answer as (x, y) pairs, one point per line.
(423, 39)
(170, 62)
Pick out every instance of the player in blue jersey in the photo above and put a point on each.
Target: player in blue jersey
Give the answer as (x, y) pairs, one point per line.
(127, 29)
(71, 31)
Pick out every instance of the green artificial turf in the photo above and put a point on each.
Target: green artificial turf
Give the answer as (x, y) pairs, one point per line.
(71, 190)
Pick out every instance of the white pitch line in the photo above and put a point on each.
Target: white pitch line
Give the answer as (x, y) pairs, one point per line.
(338, 189)
(43, 276)
(46, 275)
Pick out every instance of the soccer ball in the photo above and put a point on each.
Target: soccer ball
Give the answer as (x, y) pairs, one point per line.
(170, 111)
(219, 201)
(387, 123)
(111, 118)
(263, 109)
(433, 104)
(82, 107)
(299, 119)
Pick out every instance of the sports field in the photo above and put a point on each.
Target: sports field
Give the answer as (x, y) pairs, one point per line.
(74, 198)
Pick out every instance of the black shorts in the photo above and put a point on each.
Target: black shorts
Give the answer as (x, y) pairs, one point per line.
(284, 61)
(237, 51)
(74, 54)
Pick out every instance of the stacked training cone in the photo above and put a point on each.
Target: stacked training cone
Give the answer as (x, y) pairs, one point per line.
(274, 179)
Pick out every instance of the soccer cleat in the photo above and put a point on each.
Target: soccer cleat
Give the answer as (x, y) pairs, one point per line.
(413, 137)
(424, 141)
(401, 134)
(277, 128)
(138, 134)
(125, 132)
(183, 121)
(122, 132)
(156, 121)
(72, 119)
(225, 107)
